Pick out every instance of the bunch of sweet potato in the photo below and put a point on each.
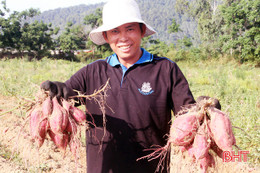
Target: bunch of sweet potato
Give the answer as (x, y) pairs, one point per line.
(197, 130)
(59, 119)
(213, 131)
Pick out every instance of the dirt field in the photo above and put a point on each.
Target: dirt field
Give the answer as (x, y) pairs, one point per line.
(50, 159)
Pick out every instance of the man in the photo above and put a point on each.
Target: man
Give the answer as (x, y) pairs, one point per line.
(145, 89)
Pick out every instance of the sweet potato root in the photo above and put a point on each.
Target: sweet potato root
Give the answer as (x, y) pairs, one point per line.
(38, 126)
(201, 143)
(59, 117)
(183, 129)
(60, 140)
(221, 129)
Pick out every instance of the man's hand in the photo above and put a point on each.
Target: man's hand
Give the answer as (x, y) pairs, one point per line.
(55, 88)
(215, 103)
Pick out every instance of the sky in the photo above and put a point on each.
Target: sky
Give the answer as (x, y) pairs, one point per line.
(43, 5)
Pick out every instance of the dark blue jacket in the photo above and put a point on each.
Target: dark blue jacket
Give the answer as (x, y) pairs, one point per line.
(139, 105)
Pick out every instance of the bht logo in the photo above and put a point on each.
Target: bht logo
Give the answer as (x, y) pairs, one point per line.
(230, 156)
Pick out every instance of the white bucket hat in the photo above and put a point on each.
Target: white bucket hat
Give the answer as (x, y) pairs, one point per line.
(117, 13)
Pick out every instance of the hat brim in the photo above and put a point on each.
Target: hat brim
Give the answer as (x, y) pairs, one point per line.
(96, 35)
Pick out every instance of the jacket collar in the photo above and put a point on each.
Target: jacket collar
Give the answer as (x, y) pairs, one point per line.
(146, 57)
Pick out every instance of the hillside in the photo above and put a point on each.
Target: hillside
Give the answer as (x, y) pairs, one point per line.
(60, 16)
(158, 14)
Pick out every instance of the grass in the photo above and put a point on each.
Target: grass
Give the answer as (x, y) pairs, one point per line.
(21, 78)
(236, 86)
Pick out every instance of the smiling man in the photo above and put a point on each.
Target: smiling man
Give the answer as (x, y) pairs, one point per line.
(125, 41)
(145, 90)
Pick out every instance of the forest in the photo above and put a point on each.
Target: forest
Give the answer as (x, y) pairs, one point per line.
(199, 29)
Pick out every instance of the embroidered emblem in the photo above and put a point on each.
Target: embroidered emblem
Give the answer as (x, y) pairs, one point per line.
(146, 89)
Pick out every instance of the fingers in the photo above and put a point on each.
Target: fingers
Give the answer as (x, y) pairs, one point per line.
(61, 90)
(55, 88)
(51, 87)
(46, 85)
(215, 102)
(65, 93)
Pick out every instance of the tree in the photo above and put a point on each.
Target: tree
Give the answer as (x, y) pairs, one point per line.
(17, 33)
(10, 31)
(174, 27)
(205, 13)
(94, 20)
(5, 9)
(241, 29)
(36, 37)
(158, 48)
(185, 41)
(72, 38)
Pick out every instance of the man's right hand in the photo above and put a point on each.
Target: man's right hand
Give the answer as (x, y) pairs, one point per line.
(55, 88)
(215, 102)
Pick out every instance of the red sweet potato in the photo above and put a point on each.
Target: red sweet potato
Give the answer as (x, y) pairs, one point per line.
(78, 115)
(183, 129)
(216, 149)
(184, 148)
(59, 118)
(205, 162)
(201, 143)
(60, 140)
(47, 107)
(66, 105)
(72, 126)
(38, 126)
(221, 129)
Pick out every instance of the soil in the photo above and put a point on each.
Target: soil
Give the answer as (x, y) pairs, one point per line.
(20, 155)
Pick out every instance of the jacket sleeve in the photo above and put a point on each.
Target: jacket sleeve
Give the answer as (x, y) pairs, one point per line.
(180, 94)
(77, 82)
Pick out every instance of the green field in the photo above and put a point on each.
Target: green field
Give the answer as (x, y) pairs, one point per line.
(236, 86)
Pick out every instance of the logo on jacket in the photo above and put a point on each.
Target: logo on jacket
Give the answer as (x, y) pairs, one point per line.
(146, 89)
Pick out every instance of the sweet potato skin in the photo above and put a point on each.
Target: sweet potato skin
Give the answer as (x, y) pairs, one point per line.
(183, 129)
(59, 118)
(60, 140)
(201, 143)
(221, 129)
(47, 107)
(78, 115)
(38, 126)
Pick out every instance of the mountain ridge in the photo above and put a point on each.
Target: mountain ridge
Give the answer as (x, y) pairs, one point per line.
(158, 14)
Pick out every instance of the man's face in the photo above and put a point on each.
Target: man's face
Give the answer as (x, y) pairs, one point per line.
(125, 41)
